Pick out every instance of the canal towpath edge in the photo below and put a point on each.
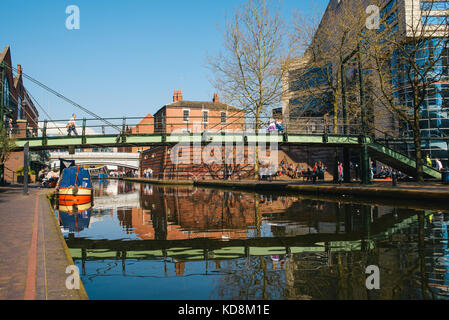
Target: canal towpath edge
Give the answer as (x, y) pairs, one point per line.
(33, 250)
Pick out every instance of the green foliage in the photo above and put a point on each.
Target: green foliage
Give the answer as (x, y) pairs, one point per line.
(7, 144)
(19, 171)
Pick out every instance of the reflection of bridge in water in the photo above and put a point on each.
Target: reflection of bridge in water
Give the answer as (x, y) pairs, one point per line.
(117, 201)
(214, 249)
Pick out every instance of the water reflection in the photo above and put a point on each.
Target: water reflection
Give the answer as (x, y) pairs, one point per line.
(75, 218)
(149, 242)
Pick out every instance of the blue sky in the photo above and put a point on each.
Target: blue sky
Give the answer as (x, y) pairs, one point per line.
(128, 56)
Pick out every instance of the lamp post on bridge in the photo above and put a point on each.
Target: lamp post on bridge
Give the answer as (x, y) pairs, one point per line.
(365, 162)
(346, 151)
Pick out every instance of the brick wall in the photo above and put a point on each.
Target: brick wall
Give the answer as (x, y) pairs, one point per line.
(158, 159)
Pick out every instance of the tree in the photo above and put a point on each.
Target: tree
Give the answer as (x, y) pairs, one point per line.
(7, 145)
(324, 79)
(248, 74)
(408, 64)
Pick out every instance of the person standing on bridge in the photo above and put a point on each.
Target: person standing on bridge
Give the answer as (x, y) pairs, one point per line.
(71, 126)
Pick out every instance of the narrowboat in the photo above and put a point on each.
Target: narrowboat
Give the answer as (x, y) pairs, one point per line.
(74, 187)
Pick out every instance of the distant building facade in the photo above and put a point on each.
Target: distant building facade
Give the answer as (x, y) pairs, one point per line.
(306, 93)
(194, 117)
(16, 105)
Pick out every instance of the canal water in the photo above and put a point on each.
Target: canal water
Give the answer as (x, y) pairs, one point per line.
(140, 241)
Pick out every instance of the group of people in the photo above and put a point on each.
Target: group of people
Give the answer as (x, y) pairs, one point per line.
(48, 177)
(121, 174)
(275, 126)
(148, 173)
(438, 164)
(314, 174)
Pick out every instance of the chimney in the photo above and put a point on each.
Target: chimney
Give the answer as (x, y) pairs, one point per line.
(177, 96)
(216, 98)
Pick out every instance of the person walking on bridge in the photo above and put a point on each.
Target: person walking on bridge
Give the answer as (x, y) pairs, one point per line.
(71, 126)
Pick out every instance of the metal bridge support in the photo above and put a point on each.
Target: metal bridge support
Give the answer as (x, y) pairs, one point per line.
(83, 135)
(25, 168)
(346, 165)
(123, 137)
(44, 134)
(365, 163)
(336, 160)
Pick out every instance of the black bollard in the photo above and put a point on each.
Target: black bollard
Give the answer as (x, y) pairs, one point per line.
(394, 178)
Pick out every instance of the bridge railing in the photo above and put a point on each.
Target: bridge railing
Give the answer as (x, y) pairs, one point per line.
(320, 126)
(181, 124)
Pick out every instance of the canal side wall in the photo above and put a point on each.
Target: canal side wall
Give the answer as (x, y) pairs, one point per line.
(373, 191)
(159, 160)
(82, 290)
(435, 193)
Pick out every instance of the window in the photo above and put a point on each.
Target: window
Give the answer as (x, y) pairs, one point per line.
(434, 20)
(20, 109)
(223, 117)
(185, 115)
(205, 116)
(6, 94)
(437, 5)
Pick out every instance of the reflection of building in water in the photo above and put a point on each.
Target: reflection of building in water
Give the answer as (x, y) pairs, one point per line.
(437, 255)
(406, 270)
(182, 213)
(186, 213)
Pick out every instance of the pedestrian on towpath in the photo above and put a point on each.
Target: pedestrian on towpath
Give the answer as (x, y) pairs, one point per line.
(10, 128)
(340, 173)
(428, 161)
(439, 164)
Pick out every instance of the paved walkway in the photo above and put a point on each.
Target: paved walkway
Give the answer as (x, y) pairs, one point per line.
(33, 254)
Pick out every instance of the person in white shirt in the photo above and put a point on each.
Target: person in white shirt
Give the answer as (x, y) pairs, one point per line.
(439, 164)
(71, 126)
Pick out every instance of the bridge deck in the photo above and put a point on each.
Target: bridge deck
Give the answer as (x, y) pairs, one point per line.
(376, 150)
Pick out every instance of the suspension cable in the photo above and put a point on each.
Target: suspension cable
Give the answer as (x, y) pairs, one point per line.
(34, 121)
(64, 98)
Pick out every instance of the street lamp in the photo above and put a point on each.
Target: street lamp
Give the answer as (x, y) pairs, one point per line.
(365, 163)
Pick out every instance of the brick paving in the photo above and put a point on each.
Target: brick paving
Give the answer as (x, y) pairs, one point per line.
(17, 214)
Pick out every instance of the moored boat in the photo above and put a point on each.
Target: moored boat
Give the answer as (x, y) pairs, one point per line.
(74, 187)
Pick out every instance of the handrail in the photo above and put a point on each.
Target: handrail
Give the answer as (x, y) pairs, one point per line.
(13, 172)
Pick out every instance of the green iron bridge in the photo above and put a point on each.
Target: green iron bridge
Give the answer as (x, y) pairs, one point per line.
(307, 134)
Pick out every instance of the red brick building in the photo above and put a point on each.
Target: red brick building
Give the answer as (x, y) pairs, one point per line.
(195, 117)
(146, 125)
(17, 106)
(17, 102)
(198, 116)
